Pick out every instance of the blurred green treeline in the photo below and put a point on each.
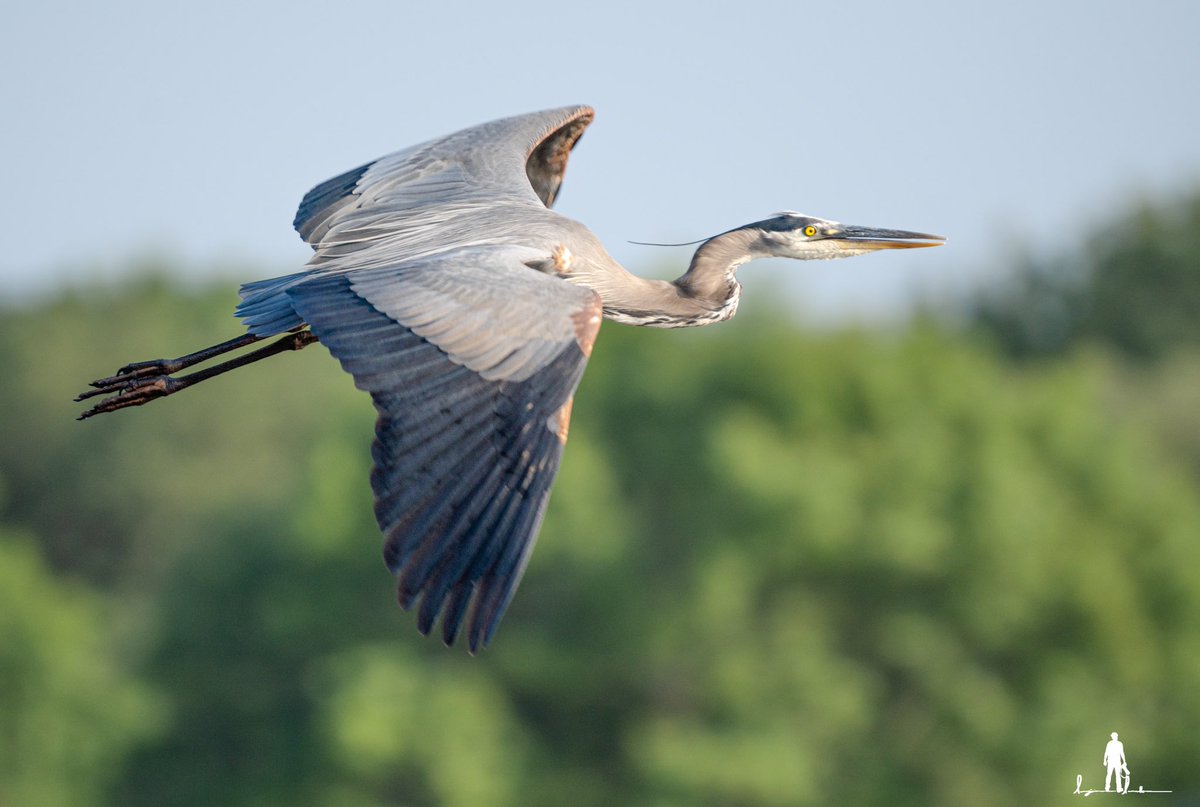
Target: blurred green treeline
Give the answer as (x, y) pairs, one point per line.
(933, 567)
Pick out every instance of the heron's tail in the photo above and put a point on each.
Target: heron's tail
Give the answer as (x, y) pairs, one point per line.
(266, 309)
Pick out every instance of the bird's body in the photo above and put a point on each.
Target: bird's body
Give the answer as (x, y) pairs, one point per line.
(447, 287)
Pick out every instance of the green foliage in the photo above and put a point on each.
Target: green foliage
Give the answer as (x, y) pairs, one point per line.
(1134, 287)
(69, 709)
(777, 569)
(1132, 292)
(906, 574)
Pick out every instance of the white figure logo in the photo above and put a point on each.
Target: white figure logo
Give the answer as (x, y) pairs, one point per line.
(1114, 759)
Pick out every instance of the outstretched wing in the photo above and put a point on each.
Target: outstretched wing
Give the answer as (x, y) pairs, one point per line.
(471, 357)
(470, 187)
(519, 159)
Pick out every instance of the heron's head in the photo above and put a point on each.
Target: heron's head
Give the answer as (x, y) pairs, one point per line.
(794, 235)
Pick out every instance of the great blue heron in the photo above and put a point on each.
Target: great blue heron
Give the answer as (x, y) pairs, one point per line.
(444, 284)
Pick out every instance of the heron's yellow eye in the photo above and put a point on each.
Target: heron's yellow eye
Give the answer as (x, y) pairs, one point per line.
(810, 231)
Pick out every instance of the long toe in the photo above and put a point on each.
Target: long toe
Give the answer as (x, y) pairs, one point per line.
(91, 393)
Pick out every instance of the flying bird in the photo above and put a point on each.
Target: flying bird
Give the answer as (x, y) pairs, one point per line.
(446, 286)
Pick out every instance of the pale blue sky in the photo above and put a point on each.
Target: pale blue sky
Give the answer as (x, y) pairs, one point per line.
(193, 130)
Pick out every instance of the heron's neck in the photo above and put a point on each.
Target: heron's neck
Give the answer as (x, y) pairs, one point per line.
(707, 292)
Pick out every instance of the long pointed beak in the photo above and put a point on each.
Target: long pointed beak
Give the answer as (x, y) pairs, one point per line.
(853, 237)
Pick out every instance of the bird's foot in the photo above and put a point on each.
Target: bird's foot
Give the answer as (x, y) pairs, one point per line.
(134, 385)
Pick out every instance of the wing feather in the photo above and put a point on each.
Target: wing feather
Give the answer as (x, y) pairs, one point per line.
(471, 358)
(518, 158)
(474, 186)
(320, 203)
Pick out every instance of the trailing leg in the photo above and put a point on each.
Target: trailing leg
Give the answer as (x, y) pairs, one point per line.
(139, 383)
(141, 369)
